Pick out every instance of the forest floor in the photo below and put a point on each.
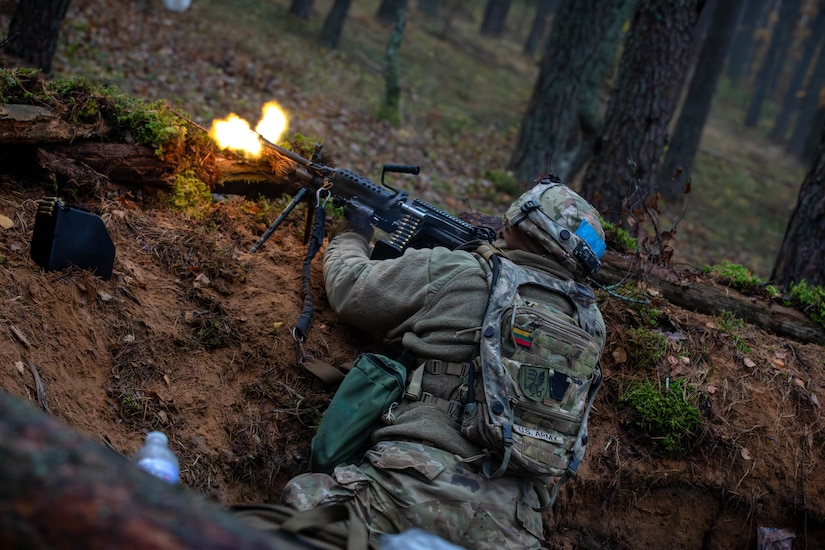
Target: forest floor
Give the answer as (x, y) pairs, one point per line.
(192, 335)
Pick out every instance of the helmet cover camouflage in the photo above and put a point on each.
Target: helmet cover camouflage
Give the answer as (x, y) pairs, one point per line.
(563, 206)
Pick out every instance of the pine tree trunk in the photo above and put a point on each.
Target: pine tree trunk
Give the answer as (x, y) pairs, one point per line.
(774, 59)
(543, 10)
(392, 99)
(33, 31)
(801, 256)
(805, 133)
(744, 42)
(696, 108)
(388, 10)
(562, 117)
(495, 15)
(334, 24)
(301, 8)
(652, 72)
(792, 101)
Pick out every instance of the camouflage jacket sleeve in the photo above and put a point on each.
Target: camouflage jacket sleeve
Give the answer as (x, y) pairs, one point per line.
(426, 297)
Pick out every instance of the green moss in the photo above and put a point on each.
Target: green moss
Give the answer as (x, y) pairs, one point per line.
(735, 276)
(131, 406)
(645, 347)
(811, 299)
(669, 414)
(190, 194)
(618, 237)
(78, 101)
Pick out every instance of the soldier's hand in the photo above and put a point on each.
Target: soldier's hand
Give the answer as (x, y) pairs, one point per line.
(360, 219)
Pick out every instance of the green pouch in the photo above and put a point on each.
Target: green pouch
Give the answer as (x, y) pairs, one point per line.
(369, 389)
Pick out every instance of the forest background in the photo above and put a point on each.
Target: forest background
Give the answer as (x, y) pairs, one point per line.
(469, 69)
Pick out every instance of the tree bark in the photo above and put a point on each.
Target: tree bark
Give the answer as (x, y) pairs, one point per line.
(33, 124)
(543, 10)
(562, 119)
(388, 11)
(806, 127)
(391, 109)
(791, 101)
(696, 108)
(801, 256)
(775, 57)
(301, 8)
(495, 15)
(33, 31)
(334, 24)
(62, 490)
(651, 75)
(744, 41)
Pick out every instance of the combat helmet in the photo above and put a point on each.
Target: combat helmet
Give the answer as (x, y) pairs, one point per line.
(562, 222)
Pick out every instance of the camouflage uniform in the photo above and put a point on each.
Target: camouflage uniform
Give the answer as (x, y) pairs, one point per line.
(432, 300)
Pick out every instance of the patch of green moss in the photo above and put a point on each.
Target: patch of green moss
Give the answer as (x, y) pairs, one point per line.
(189, 194)
(645, 347)
(131, 406)
(78, 101)
(735, 276)
(618, 237)
(811, 299)
(670, 415)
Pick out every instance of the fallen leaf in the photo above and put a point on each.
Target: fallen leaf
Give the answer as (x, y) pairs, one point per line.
(105, 296)
(166, 379)
(620, 355)
(749, 363)
(21, 368)
(815, 400)
(799, 382)
(5, 222)
(712, 389)
(745, 454)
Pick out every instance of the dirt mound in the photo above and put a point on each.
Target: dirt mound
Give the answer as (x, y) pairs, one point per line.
(192, 336)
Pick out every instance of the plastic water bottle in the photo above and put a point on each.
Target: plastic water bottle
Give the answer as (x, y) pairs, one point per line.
(156, 458)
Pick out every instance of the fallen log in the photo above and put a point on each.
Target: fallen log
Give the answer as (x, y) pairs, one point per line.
(138, 166)
(34, 124)
(59, 489)
(696, 292)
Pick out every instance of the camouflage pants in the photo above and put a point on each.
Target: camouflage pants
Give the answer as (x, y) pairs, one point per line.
(402, 484)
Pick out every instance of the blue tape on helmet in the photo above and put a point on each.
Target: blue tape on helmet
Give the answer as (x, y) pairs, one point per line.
(593, 240)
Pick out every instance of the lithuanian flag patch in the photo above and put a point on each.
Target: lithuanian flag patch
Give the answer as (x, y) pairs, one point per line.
(522, 337)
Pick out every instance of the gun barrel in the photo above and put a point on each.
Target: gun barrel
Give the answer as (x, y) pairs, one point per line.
(284, 152)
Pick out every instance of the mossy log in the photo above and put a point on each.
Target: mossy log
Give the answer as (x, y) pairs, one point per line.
(34, 124)
(138, 166)
(59, 489)
(695, 292)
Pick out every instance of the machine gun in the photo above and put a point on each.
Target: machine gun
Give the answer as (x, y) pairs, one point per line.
(409, 222)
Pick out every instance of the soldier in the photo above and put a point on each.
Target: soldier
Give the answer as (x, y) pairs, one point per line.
(421, 471)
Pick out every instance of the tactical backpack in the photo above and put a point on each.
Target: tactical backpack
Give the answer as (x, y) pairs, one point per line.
(539, 376)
